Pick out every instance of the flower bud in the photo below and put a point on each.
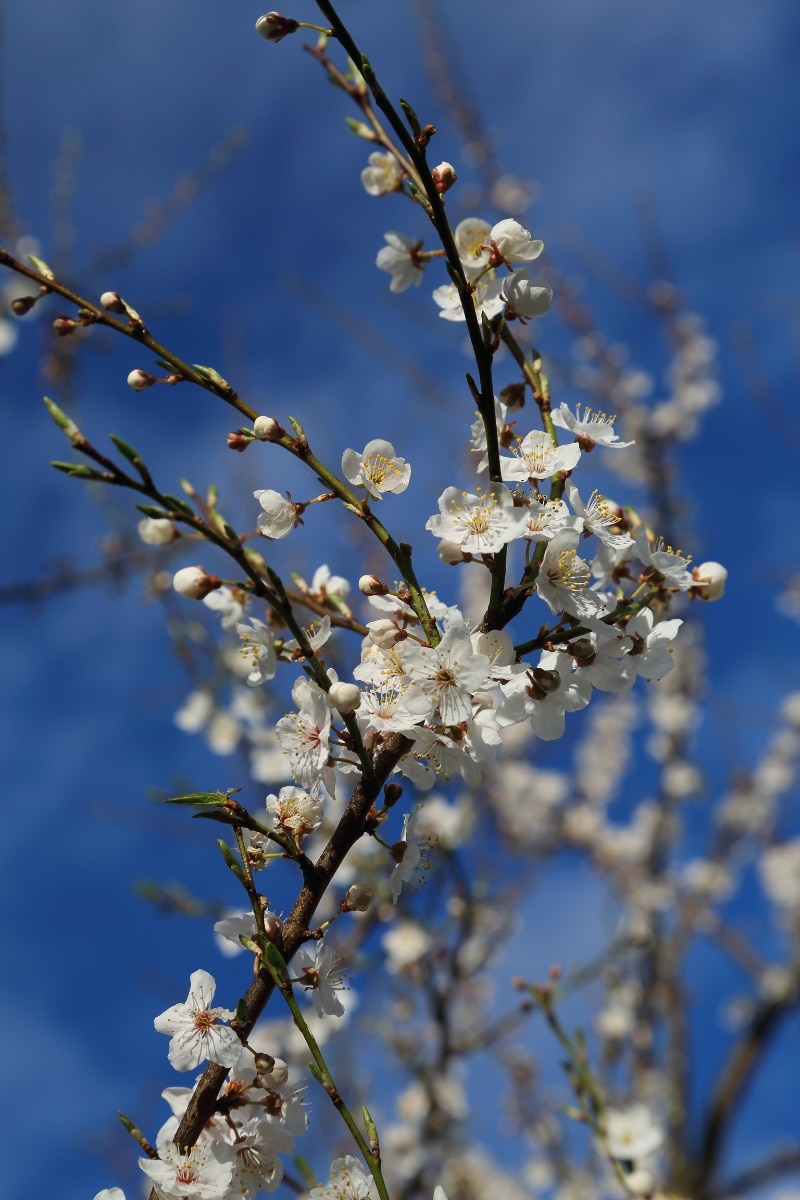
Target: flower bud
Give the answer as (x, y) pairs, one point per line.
(513, 396)
(358, 899)
(112, 301)
(710, 579)
(157, 531)
(194, 582)
(391, 794)
(370, 585)
(274, 27)
(385, 633)
(272, 927)
(63, 326)
(23, 305)
(451, 552)
(443, 176)
(267, 429)
(139, 380)
(271, 1077)
(345, 697)
(640, 1182)
(239, 440)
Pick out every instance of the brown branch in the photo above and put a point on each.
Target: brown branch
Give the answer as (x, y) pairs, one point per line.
(202, 1104)
(732, 1083)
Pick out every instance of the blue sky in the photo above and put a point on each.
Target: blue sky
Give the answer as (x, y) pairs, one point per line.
(695, 103)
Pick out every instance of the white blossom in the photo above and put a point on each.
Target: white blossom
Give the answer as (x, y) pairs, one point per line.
(320, 973)
(296, 811)
(347, 1181)
(443, 678)
(383, 175)
(258, 651)
(278, 515)
(479, 522)
(527, 298)
(536, 456)
(632, 1133)
(591, 429)
(196, 1029)
(563, 578)
(377, 468)
(304, 735)
(399, 257)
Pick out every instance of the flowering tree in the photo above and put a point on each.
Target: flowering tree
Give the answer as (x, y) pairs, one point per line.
(400, 728)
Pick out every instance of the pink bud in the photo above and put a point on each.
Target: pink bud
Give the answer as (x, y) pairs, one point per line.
(239, 440)
(444, 176)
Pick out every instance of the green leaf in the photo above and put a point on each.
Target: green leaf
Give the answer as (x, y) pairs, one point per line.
(193, 797)
(231, 861)
(179, 505)
(42, 267)
(133, 456)
(369, 1125)
(242, 1011)
(411, 117)
(131, 312)
(209, 375)
(218, 814)
(360, 129)
(79, 471)
(150, 510)
(61, 419)
(276, 965)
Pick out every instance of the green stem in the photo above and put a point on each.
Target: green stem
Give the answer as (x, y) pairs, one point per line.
(323, 1074)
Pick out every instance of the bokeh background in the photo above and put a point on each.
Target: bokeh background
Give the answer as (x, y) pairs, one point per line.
(660, 139)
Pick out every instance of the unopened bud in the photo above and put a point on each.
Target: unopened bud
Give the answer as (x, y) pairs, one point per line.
(640, 1182)
(544, 683)
(272, 1077)
(444, 176)
(391, 794)
(385, 633)
(358, 899)
(112, 301)
(710, 579)
(63, 326)
(267, 429)
(513, 396)
(345, 697)
(23, 305)
(274, 27)
(272, 927)
(239, 440)
(194, 582)
(450, 552)
(583, 650)
(370, 585)
(139, 380)
(157, 531)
